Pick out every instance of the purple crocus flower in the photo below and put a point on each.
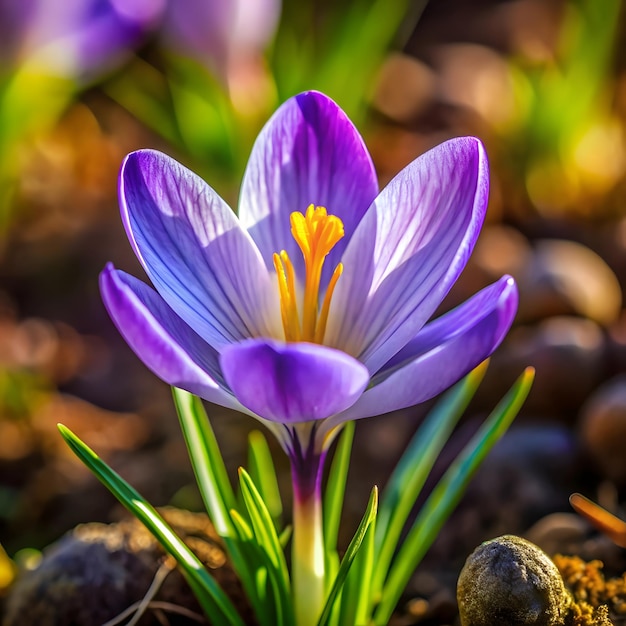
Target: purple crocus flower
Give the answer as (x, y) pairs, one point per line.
(75, 38)
(311, 307)
(216, 32)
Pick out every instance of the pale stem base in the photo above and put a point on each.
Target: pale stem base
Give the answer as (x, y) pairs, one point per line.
(308, 560)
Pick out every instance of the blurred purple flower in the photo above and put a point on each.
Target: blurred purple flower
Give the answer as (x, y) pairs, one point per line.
(306, 320)
(220, 32)
(76, 39)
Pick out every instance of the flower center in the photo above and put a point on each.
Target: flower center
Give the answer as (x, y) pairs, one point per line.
(316, 233)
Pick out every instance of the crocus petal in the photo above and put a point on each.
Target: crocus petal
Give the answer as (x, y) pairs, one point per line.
(80, 38)
(201, 29)
(292, 382)
(408, 250)
(213, 30)
(441, 353)
(204, 265)
(161, 339)
(308, 153)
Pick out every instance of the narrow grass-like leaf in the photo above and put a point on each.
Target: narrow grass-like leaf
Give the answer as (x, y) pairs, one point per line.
(446, 495)
(264, 609)
(336, 488)
(242, 526)
(405, 484)
(212, 598)
(350, 555)
(143, 91)
(357, 600)
(332, 569)
(263, 474)
(262, 524)
(206, 460)
(285, 535)
(267, 539)
(262, 584)
(216, 489)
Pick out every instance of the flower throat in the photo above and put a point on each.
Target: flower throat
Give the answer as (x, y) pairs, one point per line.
(316, 233)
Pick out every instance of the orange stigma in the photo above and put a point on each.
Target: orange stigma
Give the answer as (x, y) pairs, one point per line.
(316, 233)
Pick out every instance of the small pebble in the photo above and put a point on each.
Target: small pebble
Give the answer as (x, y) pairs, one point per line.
(559, 533)
(511, 582)
(96, 571)
(603, 428)
(569, 355)
(405, 89)
(566, 278)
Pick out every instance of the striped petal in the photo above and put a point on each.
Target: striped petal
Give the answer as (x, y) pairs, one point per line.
(173, 351)
(202, 263)
(308, 153)
(441, 353)
(408, 250)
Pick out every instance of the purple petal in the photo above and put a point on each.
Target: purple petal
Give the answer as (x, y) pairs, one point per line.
(204, 265)
(292, 382)
(76, 38)
(162, 340)
(201, 29)
(110, 32)
(441, 353)
(214, 30)
(308, 153)
(408, 250)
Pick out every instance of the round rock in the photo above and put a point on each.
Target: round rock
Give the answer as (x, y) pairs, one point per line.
(603, 428)
(511, 582)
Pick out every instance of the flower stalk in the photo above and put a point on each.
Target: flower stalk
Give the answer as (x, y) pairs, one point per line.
(308, 560)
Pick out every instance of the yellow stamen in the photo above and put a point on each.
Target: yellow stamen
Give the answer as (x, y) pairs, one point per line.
(286, 288)
(316, 233)
(323, 317)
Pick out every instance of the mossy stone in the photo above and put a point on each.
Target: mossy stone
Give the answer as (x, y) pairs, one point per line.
(511, 582)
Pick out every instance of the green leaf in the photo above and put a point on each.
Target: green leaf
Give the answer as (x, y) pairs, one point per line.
(267, 539)
(215, 488)
(446, 495)
(263, 475)
(406, 482)
(357, 599)
(262, 524)
(242, 526)
(143, 91)
(336, 487)
(356, 54)
(212, 598)
(285, 535)
(348, 559)
(257, 567)
(206, 460)
(343, 53)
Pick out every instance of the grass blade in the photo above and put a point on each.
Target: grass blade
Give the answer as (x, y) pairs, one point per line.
(447, 493)
(210, 595)
(267, 539)
(409, 476)
(263, 474)
(356, 599)
(336, 487)
(257, 565)
(216, 489)
(206, 460)
(350, 555)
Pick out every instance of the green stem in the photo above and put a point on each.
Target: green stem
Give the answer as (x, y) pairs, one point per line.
(308, 562)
